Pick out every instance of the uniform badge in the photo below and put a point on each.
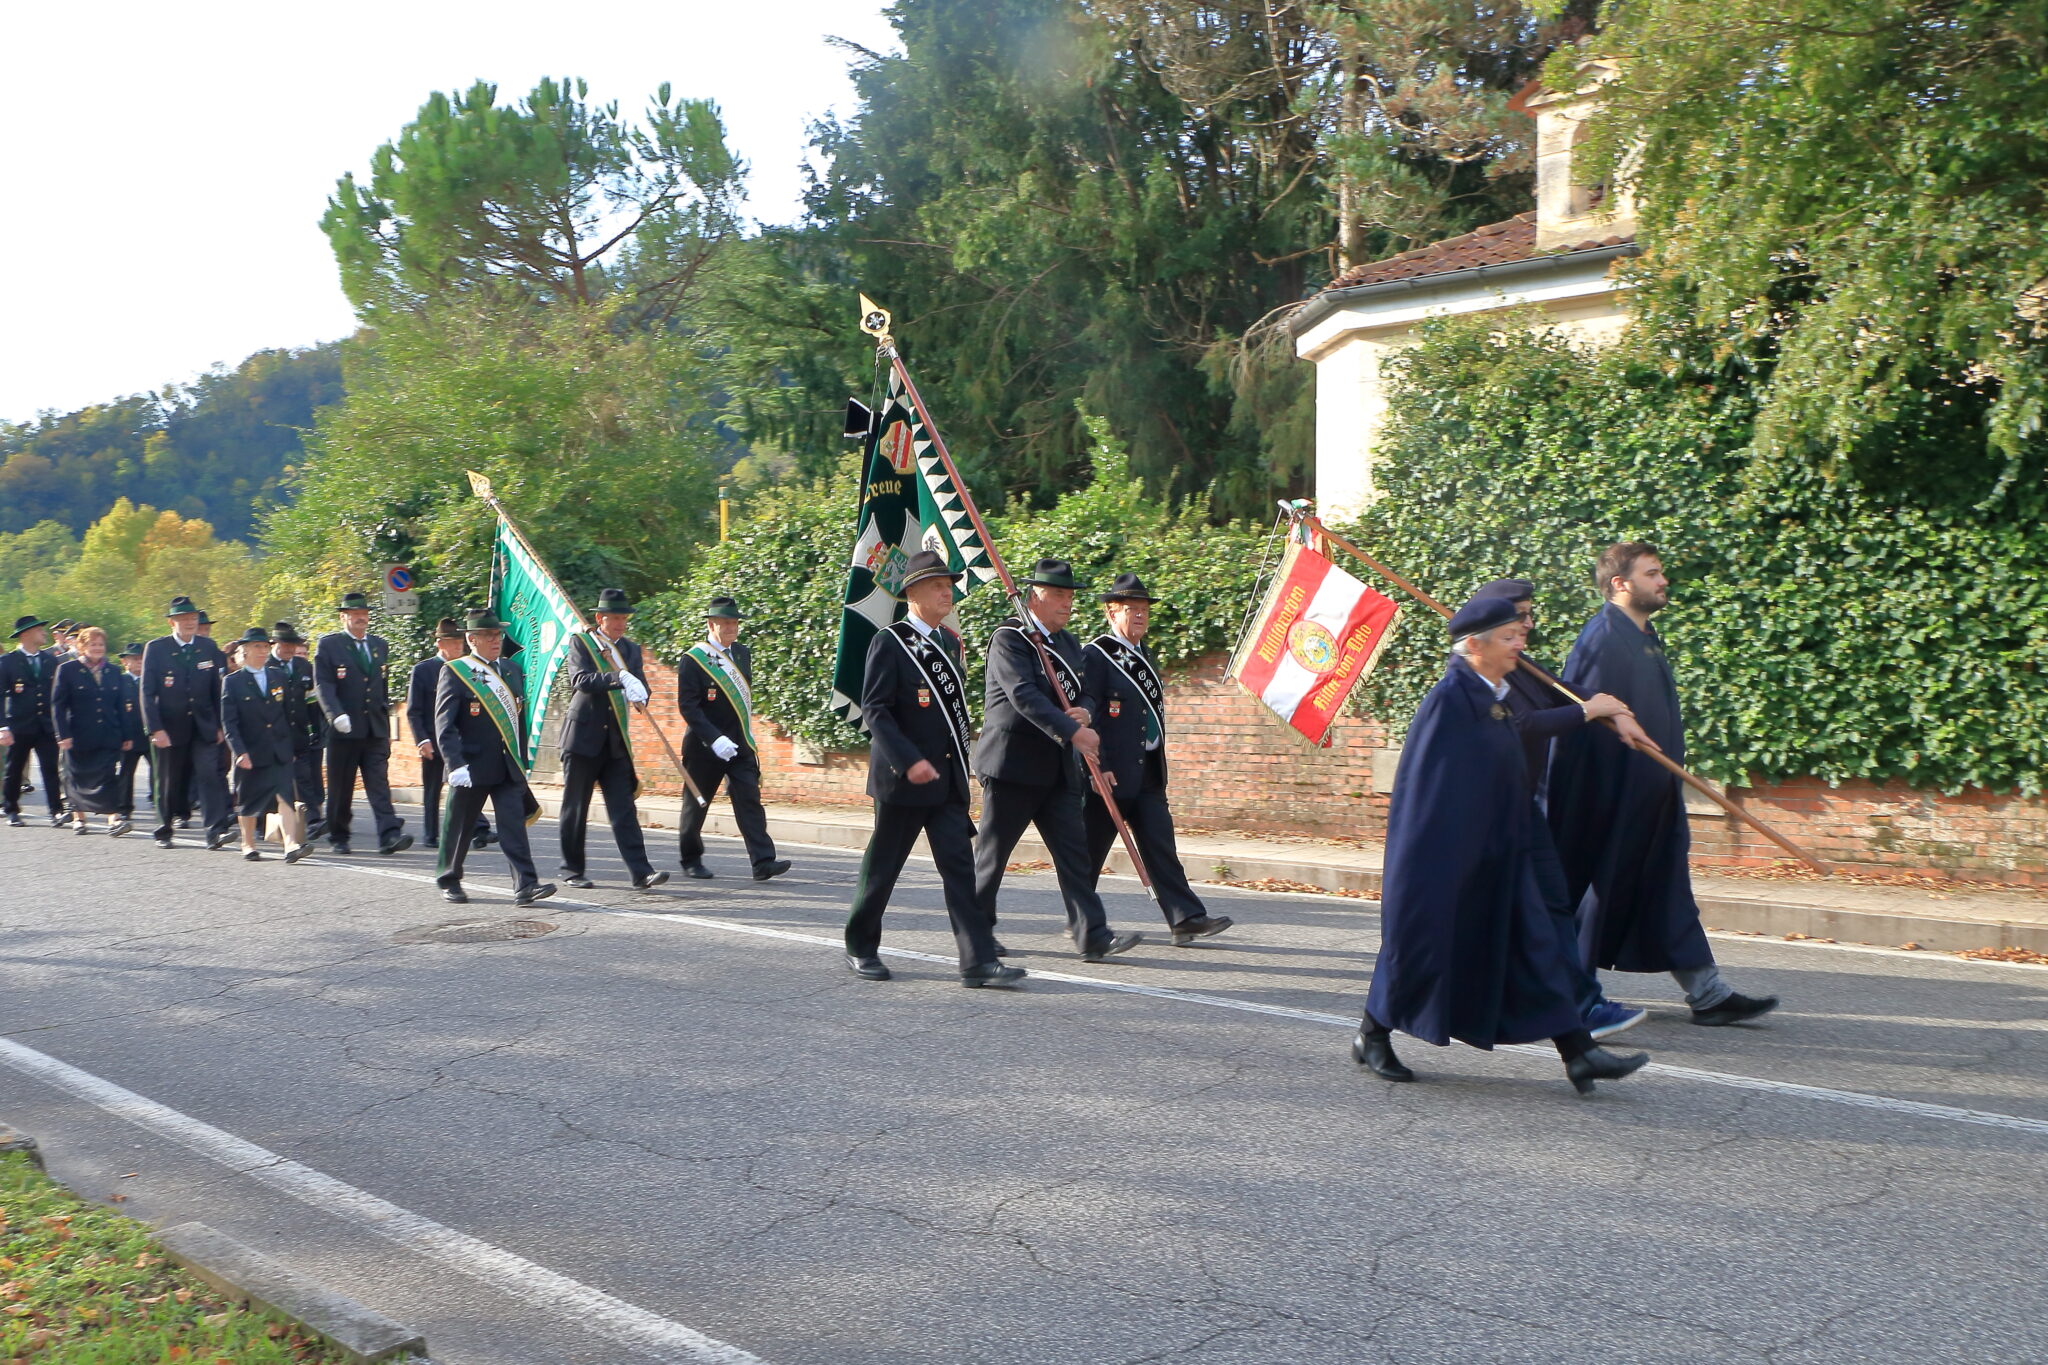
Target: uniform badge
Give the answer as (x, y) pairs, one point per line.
(341, 672)
(710, 694)
(18, 686)
(1499, 712)
(924, 696)
(206, 663)
(476, 708)
(170, 680)
(277, 694)
(1116, 707)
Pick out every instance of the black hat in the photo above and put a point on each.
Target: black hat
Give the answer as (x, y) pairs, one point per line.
(254, 635)
(448, 628)
(612, 602)
(204, 619)
(66, 624)
(922, 565)
(1054, 573)
(1508, 589)
(724, 608)
(1481, 614)
(483, 618)
(133, 651)
(353, 601)
(1128, 587)
(285, 633)
(24, 624)
(182, 605)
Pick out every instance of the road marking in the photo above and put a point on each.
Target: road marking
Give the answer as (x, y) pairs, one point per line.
(500, 1269)
(1855, 1098)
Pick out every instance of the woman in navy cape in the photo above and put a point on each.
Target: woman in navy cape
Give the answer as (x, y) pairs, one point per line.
(1468, 947)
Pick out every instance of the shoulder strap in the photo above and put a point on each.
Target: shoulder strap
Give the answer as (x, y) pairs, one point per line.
(1138, 671)
(943, 679)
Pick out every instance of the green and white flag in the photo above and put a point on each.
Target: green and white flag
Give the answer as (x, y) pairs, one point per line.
(539, 619)
(907, 503)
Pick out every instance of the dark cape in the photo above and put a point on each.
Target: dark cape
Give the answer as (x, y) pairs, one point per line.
(1467, 948)
(1618, 817)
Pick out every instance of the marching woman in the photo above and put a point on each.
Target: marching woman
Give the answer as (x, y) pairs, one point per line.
(89, 705)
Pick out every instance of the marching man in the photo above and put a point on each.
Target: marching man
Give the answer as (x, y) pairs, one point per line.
(476, 731)
(714, 691)
(597, 745)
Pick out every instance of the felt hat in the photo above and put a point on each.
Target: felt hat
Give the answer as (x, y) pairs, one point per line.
(725, 609)
(24, 624)
(1510, 589)
(285, 633)
(448, 628)
(1481, 614)
(483, 618)
(922, 565)
(134, 651)
(1128, 587)
(612, 602)
(353, 601)
(181, 605)
(204, 619)
(254, 635)
(1054, 573)
(66, 624)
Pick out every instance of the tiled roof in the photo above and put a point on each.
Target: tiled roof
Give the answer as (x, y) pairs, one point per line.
(1493, 244)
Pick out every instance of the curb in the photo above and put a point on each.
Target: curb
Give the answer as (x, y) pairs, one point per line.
(12, 1140)
(248, 1276)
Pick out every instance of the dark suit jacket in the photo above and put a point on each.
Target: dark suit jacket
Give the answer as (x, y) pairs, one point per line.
(703, 704)
(590, 728)
(1025, 726)
(181, 688)
(900, 732)
(131, 709)
(90, 712)
(345, 690)
(25, 694)
(302, 710)
(1118, 709)
(422, 687)
(465, 736)
(257, 716)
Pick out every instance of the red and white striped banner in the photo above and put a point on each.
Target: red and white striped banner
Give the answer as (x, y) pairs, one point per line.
(1318, 632)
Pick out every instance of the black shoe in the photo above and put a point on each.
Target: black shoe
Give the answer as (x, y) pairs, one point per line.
(773, 868)
(120, 827)
(454, 895)
(527, 895)
(484, 839)
(17, 822)
(991, 974)
(221, 840)
(80, 827)
(1002, 951)
(579, 881)
(1201, 926)
(250, 855)
(166, 841)
(315, 830)
(697, 870)
(59, 821)
(1111, 946)
(398, 843)
(184, 822)
(1736, 1009)
(1598, 1064)
(430, 843)
(340, 850)
(1375, 1052)
(292, 855)
(650, 881)
(867, 968)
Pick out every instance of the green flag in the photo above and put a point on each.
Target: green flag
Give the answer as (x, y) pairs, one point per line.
(907, 503)
(538, 618)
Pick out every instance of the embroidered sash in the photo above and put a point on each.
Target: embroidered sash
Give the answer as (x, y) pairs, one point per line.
(943, 678)
(726, 675)
(1070, 681)
(601, 648)
(497, 700)
(1139, 673)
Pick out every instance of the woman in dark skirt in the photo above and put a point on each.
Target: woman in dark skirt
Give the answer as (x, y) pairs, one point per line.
(89, 707)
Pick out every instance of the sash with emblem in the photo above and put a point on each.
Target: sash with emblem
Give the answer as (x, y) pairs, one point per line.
(942, 679)
(1137, 670)
(726, 675)
(601, 648)
(1070, 681)
(495, 698)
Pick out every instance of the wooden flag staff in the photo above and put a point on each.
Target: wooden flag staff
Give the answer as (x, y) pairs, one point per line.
(1705, 788)
(481, 486)
(874, 320)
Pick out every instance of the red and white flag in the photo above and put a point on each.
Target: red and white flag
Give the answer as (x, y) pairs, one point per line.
(1318, 632)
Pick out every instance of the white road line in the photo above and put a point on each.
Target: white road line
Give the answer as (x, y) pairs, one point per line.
(500, 1269)
(1855, 1098)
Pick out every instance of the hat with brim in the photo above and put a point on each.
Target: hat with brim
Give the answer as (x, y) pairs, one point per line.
(285, 633)
(724, 609)
(1054, 573)
(182, 606)
(612, 602)
(23, 625)
(448, 628)
(481, 620)
(1510, 589)
(353, 601)
(254, 635)
(66, 624)
(922, 565)
(1481, 614)
(1128, 587)
(134, 651)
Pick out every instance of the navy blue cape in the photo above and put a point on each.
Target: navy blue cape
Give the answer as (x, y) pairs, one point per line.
(1467, 948)
(1619, 817)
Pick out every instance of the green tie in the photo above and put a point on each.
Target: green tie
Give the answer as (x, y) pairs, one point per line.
(363, 648)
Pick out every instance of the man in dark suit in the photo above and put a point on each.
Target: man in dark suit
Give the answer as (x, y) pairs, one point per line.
(1033, 734)
(913, 700)
(714, 691)
(139, 747)
(597, 742)
(348, 677)
(476, 732)
(421, 687)
(309, 726)
(256, 712)
(1123, 692)
(181, 710)
(27, 673)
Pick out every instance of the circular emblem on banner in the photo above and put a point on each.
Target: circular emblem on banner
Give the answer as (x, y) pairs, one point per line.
(1312, 646)
(549, 634)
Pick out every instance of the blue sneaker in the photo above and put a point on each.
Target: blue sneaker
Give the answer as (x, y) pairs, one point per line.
(1608, 1018)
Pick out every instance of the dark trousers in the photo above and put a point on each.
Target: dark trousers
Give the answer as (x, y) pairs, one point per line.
(309, 793)
(742, 779)
(613, 774)
(348, 759)
(183, 771)
(44, 747)
(1543, 861)
(1006, 808)
(948, 833)
(211, 767)
(1151, 823)
(130, 761)
(458, 828)
(433, 777)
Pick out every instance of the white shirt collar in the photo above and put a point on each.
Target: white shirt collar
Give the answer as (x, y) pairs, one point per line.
(256, 668)
(183, 640)
(716, 648)
(917, 624)
(1038, 624)
(1124, 639)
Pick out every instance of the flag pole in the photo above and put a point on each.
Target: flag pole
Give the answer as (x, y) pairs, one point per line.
(874, 320)
(481, 486)
(1700, 785)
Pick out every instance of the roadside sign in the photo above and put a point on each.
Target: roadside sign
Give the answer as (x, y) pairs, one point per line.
(399, 597)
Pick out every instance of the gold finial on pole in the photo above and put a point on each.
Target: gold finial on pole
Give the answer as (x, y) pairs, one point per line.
(478, 484)
(875, 320)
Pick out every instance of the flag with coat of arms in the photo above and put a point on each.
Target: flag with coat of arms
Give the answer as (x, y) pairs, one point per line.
(1318, 631)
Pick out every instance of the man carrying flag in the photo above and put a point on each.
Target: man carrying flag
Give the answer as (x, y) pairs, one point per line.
(476, 731)
(714, 691)
(606, 676)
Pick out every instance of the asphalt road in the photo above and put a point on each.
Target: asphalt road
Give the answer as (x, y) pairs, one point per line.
(676, 1128)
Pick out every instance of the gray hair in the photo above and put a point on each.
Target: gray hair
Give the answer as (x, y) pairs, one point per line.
(1462, 646)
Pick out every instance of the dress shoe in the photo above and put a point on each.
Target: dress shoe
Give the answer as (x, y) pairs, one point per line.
(17, 822)
(454, 895)
(697, 870)
(315, 830)
(340, 850)
(527, 895)
(1201, 926)
(250, 855)
(396, 844)
(166, 842)
(579, 881)
(430, 842)
(484, 839)
(991, 974)
(184, 822)
(296, 852)
(220, 840)
(763, 871)
(80, 827)
(650, 881)
(867, 968)
(1736, 1009)
(59, 821)
(120, 827)
(1111, 946)
(1375, 1052)
(1598, 1064)
(1001, 950)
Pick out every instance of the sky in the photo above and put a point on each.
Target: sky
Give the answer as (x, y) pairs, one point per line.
(163, 169)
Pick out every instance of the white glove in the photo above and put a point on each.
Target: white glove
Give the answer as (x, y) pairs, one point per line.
(724, 748)
(636, 691)
(343, 725)
(459, 777)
